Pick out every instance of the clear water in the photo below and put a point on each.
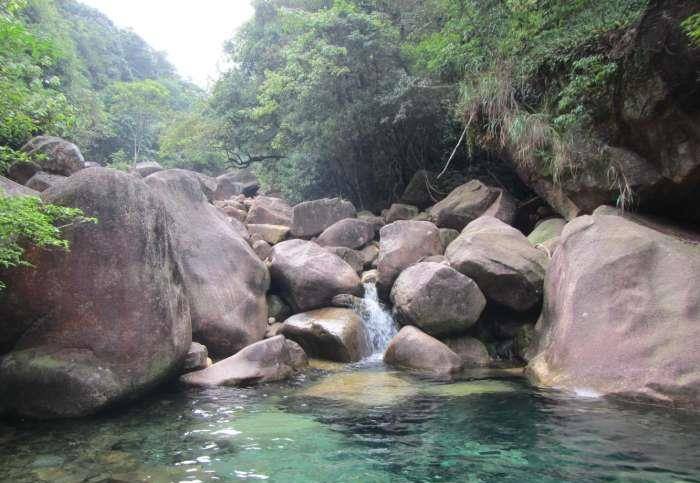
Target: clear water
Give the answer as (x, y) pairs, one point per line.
(361, 423)
(379, 324)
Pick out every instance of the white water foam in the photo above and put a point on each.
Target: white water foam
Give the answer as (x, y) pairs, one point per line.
(379, 324)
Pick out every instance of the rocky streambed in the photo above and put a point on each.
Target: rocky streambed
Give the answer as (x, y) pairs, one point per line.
(211, 299)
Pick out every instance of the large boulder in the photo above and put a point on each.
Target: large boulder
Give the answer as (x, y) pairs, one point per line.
(350, 233)
(42, 181)
(335, 334)
(266, 210)
(502, 262)
(269, 360)
(470, 201)
(403, 243)
(413, 349)
(437, 299)
(308, 276)
(10, 188)
(349, 256)
(310, 218)
(224, 279)
(55, 155)
(235, 183)
(146, 168)
(102, 323)
(621, 313)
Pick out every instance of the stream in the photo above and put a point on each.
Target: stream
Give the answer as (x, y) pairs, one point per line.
(361, 422)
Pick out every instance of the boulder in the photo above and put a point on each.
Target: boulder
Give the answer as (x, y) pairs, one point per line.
(310, 218)
(308, 276)
(233, 212)
(349, 256)
(370, 276)
(273, 330)
(22, 171)
(262, 249)
(621, 313)
(269, 360)
(208, 185)
(240, 229)
(335, 334)
(470, 201)
(417, 191)
(377, 222)
(277, 308)
(146, 168)
(370, 254)
(42, 181)
(505, 207)
(398, 212)
(413, 349)
(265, 210)
(234, 183)
(272, 234)
(422, 216)
(437, 299)
(10, 188)
(503, 263)
(55, 155)
(447, 236)
(350, 233)
(196, 358)
(402, 244)
(108, 319)
(224, 279)
(546, 230)
(472, 351)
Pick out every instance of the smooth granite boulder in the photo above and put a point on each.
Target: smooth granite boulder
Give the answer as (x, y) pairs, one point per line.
(415, 350)
(55, 155)
(310, 218)
(349, 233)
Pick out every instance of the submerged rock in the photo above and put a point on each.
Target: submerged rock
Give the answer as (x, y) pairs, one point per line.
(413, 349)
(225, 281)
(308, 276)
(503, 263)
(402, 244)
(310, 218)
(349, 233)
(335, 334)
(437, 299)
(365, 388)
(108, 319)
(55, 155)
(269, 360)
(621, 313)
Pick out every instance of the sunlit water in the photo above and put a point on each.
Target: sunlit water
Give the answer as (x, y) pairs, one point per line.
(360, 423)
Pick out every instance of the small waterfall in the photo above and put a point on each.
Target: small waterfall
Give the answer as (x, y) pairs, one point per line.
(379, 324)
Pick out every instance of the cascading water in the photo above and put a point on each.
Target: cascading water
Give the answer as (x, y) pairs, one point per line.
(379, 324)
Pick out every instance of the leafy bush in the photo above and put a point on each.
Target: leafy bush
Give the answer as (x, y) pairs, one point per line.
(27, 220)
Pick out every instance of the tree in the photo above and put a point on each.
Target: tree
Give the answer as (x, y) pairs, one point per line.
(137, 111)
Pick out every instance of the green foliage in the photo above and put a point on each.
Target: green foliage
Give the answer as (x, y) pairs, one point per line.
(30, 97)
(27, 220)
(137, 111)
(691, 25)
